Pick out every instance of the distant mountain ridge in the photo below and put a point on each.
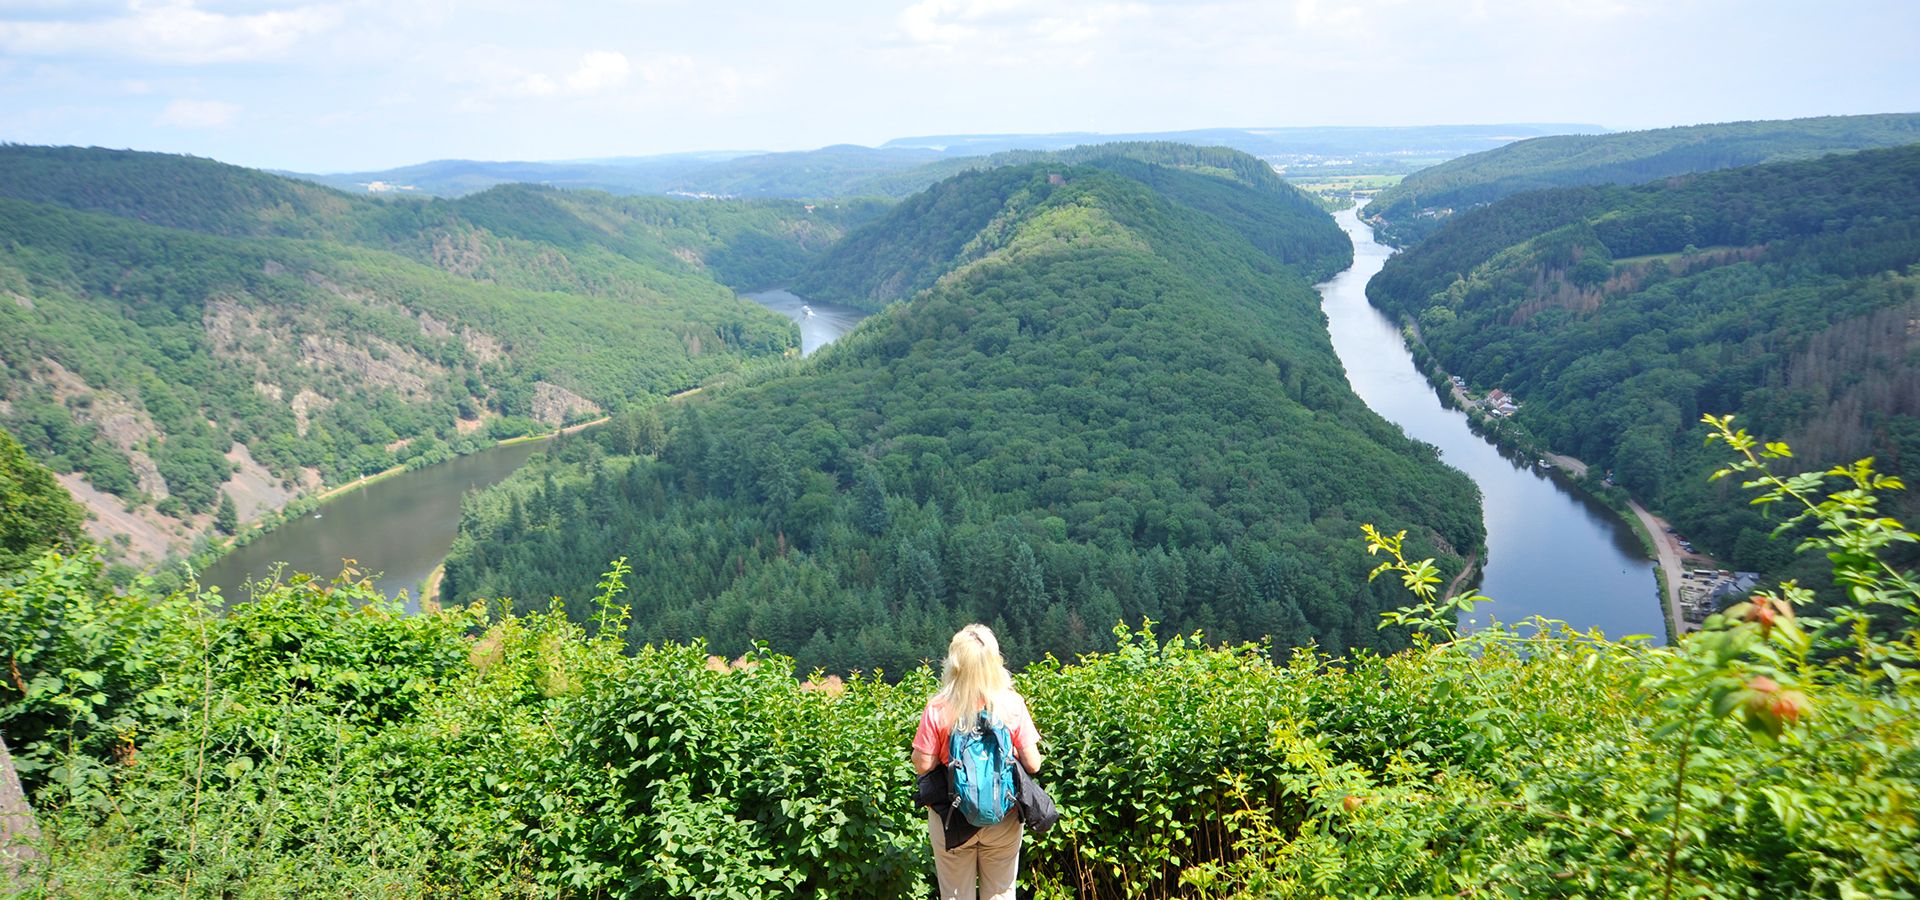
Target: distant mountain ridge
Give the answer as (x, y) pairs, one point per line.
(1411, 210)
(889, 170)
(1447, 140)
(457, 177)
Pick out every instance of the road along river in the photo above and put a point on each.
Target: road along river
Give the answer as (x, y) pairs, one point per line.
(1551, 550)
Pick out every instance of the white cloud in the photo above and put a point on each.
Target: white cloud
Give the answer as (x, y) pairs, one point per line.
(601, 76)
(172, 31)
(948, 22)
(598, 71)
(198, 114)
(1017, 33)
(1317, 14)
(534, 85)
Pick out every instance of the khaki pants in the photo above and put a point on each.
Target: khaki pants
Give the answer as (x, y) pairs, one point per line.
(992, 856)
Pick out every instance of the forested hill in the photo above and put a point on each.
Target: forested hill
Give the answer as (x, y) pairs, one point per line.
(1124, 407)
(1411, 210)
(179, 192)
(969, 216)
(1617, 316)
(175, 329)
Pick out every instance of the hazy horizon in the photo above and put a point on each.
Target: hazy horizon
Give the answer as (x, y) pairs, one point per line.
(354, 85)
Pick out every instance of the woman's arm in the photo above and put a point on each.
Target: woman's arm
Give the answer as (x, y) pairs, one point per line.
(923, 762)
(1030, 756)
(1026, 746)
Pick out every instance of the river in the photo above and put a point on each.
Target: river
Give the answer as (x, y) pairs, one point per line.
(1551, 551)
(399, 528)
(826, 323)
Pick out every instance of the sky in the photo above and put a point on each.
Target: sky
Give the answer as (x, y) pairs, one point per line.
(348, 85)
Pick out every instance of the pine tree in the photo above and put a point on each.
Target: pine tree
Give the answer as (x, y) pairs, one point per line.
(1027, 599)
(870, 503)
(226, 518)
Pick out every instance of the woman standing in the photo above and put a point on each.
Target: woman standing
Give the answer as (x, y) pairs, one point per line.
(974, 678)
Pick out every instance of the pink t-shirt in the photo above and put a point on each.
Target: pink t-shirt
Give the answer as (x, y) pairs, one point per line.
(1012, 710)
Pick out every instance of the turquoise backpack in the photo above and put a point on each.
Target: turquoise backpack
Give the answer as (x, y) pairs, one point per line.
(980, 768)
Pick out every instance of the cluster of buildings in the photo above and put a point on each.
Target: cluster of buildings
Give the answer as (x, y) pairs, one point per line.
(1497, 403)
(1704, 592)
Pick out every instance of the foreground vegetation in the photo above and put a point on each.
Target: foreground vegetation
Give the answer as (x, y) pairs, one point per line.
(315, 742)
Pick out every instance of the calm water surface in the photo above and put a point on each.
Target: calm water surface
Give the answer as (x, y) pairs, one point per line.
(400, 528)
(1550, 551)
(826, 325)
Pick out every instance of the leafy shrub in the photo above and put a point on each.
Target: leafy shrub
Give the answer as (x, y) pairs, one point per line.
(317, 742)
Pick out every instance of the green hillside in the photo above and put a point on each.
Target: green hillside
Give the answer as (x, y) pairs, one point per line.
(1618, 316)
(958, 220)
(1410, 211)
(174, 322)
(1119, 401)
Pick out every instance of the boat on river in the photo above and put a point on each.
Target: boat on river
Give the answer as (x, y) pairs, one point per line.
(806, 309)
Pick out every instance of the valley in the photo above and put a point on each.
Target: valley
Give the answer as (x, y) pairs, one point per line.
(1108, 395)
(1615, 362)
(186, 335)
(646, 517)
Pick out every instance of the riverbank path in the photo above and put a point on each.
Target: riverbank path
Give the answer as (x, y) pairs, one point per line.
(1666, 553)
(1663, 547)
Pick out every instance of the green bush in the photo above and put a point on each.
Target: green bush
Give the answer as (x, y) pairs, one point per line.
(317, 742)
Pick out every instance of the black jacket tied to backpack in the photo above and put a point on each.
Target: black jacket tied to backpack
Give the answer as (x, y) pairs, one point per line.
(934, 792)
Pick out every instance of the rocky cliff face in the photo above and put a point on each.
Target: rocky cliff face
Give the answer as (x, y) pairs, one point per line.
(19, 832)
(554, 405)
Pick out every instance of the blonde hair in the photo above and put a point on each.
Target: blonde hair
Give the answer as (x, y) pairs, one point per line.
(974, 676)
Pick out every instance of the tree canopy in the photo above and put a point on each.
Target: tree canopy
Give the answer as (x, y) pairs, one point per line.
(155, 310)
(36, 513)
(1619, 315)
(1116, 399)
(1412, 210)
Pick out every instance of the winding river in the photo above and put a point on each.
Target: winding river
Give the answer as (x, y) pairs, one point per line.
(398, 529)
(1551, 550)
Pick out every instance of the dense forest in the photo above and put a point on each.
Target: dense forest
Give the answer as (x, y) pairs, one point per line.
(317, 741)
(1617, 316)
(1410, 211)
(173, 320)
(956, 221)
(1118, 401)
